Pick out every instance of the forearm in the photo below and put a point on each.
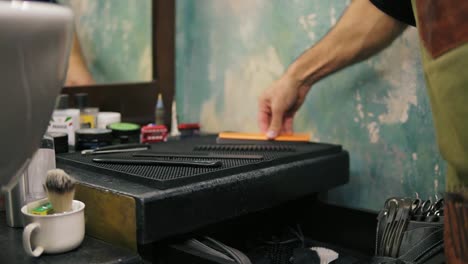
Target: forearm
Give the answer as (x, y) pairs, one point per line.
(362, 31)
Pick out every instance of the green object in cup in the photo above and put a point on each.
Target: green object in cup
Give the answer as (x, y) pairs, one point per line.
(43, 209)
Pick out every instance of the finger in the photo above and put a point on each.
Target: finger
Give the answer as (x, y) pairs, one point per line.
(288, 125)
(264, 114)
(276, 124)
(264, 120)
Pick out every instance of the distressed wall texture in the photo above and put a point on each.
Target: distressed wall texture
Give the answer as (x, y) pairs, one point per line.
(115, 37)
(229, 51)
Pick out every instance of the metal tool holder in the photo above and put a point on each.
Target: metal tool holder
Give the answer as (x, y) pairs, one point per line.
(410, 230)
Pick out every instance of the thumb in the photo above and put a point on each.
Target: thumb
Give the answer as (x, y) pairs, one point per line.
(275, 124)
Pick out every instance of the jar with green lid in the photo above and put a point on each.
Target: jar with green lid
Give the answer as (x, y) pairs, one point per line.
(124, 133)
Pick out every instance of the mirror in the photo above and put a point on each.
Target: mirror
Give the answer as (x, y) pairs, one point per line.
(113, 42)
(136, 99)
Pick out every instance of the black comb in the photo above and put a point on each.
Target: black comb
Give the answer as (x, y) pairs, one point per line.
(276, 148)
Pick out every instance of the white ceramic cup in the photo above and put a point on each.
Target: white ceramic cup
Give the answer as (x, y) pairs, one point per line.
(55, 233)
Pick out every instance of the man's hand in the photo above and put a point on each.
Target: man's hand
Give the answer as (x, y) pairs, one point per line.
(278, 105)
(350, 41)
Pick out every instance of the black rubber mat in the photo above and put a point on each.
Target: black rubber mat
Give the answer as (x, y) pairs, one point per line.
(165, 176)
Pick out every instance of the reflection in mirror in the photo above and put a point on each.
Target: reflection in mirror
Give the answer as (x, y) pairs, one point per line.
(112, 42)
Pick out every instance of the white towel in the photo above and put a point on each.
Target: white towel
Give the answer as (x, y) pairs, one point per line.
(326, 255)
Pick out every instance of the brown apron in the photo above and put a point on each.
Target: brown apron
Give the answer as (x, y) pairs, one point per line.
(443, 30)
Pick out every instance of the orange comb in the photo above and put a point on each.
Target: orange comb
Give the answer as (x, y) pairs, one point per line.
(295, 137)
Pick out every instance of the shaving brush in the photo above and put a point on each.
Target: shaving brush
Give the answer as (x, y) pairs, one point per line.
(60, 188)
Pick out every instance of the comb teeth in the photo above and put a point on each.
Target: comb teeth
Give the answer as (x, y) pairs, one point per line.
(277, 148)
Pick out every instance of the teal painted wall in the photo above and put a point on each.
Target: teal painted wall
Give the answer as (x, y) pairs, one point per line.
(115, 36)
(229, 51)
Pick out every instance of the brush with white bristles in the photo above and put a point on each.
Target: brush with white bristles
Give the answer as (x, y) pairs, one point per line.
(60, 189)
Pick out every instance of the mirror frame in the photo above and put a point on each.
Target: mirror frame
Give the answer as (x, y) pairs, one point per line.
(136, 101)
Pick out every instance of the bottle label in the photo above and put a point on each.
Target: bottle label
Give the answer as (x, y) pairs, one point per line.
(64, 124)
(88, 121)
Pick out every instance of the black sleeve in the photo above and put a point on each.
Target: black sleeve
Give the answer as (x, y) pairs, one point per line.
(398, 9)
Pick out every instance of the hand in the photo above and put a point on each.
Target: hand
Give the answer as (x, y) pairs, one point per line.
(78, 76)
(278, 104)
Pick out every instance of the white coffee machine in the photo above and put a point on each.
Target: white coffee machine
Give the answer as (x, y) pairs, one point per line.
(35, 40)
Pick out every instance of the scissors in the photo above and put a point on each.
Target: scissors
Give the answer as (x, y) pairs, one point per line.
(438, 206)
(420, 209)
(435, 216)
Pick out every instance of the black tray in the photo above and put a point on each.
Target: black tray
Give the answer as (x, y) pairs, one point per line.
(164, 177)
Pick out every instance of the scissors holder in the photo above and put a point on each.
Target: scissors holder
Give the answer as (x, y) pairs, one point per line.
(410, 230)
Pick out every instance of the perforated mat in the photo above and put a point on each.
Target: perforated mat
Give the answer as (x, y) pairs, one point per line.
(164, 176)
